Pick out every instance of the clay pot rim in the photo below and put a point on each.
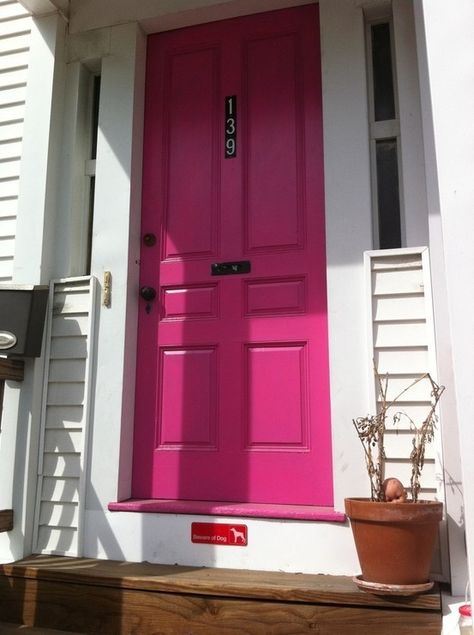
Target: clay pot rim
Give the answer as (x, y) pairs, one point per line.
(369, 510)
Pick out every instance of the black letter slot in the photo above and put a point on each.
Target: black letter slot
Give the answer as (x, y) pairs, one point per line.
(230, 268)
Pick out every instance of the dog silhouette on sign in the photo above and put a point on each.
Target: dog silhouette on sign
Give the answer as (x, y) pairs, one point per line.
(238, 535)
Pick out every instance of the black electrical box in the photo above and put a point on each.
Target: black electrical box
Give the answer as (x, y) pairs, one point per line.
(22, 318)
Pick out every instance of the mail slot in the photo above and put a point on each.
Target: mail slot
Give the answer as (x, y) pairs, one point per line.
(22, 317)
(229, 268)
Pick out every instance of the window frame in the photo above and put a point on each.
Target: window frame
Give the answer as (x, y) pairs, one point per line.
(383, 130)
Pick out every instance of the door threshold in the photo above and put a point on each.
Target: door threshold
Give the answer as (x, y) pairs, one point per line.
(221, 508)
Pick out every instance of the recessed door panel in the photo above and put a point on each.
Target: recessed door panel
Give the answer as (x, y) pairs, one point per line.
(276, 408)
(274, 163)
(190, 135)
(187, 375)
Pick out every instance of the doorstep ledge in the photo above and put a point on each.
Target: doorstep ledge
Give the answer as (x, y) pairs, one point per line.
(220, 508)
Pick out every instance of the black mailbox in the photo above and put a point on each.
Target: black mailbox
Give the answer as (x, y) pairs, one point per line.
(22, 317)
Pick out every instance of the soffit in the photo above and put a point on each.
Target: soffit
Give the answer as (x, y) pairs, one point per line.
(153, 15)
(46, 7)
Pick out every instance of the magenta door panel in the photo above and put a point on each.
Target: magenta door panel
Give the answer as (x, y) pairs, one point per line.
(275, 408)
(232, 382)
(272, 150)
(191, 118)
(182, 428)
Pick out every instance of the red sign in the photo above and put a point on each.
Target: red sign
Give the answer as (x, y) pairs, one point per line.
(219, 534)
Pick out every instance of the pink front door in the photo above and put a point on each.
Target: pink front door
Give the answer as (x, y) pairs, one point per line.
(232, 383)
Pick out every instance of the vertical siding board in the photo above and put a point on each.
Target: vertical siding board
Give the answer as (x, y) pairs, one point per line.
(87, 412)
(63, 442)
(425, 258)
(47, 356)
(442, 562)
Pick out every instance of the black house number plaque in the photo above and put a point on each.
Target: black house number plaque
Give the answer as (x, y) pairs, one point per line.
(230, 127)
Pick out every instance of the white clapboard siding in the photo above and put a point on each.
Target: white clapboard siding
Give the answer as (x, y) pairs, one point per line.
(399, 443)
(10, 167)
(402, 345)
(6, 246)
(9, 186)
(11, 11)
(11, 112)
(12, 95)
(15, 29)
(17, 41)
(64, 539)
(65, 415)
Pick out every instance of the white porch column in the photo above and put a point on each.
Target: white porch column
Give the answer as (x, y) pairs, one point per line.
(446, 64)
(116, 248)
(348, 232)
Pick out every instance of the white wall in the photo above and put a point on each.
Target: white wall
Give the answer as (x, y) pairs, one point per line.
(316, 547)
(15, 37)
(348, 232)
(287, 545)
(413, 192)
(348, 208)
(32, 265)
(116, 248)
(446, 73)
(15, 40)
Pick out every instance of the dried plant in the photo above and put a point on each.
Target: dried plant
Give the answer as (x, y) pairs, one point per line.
(371, 431)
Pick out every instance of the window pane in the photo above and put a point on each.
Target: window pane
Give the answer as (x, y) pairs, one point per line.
(93, 155)
(384, 98)
(388, 197)
(95, 115)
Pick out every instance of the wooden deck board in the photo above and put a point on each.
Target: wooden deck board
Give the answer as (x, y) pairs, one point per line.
(97, 596)
(289, 587)
(78, 608)
(20, 629)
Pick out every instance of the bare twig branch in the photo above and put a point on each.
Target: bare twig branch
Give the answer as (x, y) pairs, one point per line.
(371, 432)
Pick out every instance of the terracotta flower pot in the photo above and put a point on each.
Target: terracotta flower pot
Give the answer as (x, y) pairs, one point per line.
(394, 541)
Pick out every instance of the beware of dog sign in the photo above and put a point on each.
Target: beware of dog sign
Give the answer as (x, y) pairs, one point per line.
(219, 534)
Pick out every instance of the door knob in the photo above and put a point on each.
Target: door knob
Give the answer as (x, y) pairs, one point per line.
(149, 240)
(148, 293)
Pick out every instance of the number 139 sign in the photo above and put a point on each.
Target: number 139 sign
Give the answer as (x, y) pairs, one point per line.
(230, 127)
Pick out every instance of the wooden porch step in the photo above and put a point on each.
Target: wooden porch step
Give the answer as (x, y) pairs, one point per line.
(102, 596)
(21, 629)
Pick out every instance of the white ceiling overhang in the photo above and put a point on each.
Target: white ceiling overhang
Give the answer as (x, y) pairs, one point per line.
(152, 15)
(46, 7)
